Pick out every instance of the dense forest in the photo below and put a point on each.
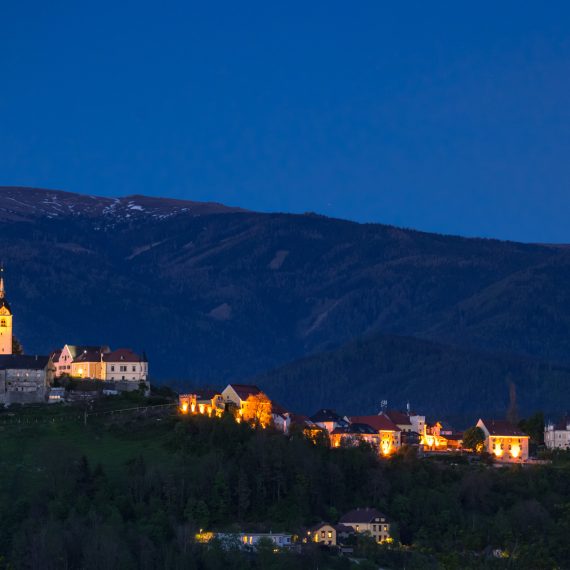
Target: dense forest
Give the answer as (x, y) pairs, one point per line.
(436, 379)
(133, 492)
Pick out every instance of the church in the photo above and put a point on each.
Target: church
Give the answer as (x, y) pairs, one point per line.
(5, 319)
(23, 379)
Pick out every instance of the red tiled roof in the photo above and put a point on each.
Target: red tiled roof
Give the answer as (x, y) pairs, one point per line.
(122, 355)
(399, 418)
(502, 427)
(379, 423)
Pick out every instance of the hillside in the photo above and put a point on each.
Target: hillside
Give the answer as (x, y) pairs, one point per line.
(447, 382)
(215, 293)
(132, 491)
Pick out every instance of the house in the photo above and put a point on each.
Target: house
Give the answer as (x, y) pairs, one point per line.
(205, 401)
(504, 440)
(63, 360)
(411, 424)
(123, 365)
(281, 418)
(388, 431)
(249, 402)
(329, 420)
(248, 540)
(557, 435)
(87, 364)
(322, 533)
(354, 434)
(24, 379)
(368, 520)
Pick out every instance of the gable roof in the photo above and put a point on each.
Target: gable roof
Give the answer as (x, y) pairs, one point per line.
(362, 516)
(379, 423)
(89, 356)
(4, 303)
(326, 415)
(122, 355)
(502, 427)
(399, 418)
(77, 349)
(355, 429)
(278, 409)
(244, 391)
(23, 362)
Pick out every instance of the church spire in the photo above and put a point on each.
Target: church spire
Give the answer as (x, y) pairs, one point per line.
(2, 292)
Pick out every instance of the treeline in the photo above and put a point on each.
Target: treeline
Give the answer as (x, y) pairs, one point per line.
(219, 475)
(440, 379)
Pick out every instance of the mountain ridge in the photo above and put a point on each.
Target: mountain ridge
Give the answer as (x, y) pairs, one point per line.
(228, 294)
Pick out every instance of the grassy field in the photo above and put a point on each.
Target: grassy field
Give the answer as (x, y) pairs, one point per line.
(34, 441)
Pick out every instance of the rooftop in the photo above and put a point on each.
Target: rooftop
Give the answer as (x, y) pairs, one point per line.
(362, 516)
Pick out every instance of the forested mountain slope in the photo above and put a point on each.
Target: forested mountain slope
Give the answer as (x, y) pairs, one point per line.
(216, 293)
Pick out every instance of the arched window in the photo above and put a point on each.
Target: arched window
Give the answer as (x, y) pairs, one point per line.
(3, 323)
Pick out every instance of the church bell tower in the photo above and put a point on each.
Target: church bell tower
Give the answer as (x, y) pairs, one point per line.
(5, 319)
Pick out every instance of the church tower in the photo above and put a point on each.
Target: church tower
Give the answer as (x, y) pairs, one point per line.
(5, 319)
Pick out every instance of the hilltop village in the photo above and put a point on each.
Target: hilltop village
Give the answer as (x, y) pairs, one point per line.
(72, 373)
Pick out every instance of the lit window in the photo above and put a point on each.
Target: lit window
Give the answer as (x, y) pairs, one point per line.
(330, 533)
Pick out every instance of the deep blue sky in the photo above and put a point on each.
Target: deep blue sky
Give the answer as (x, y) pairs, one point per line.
(446, 116)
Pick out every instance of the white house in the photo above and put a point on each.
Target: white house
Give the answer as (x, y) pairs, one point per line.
(124, 364)
(557, 435)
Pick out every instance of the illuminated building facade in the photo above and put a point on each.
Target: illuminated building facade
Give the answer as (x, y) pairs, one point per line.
(505, 441)
(206, 402)
(323, 533)
(368, 520)
(5, 320)
(557, 435)
(388, 432)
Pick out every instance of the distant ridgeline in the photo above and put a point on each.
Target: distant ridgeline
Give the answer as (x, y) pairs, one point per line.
(218, 294)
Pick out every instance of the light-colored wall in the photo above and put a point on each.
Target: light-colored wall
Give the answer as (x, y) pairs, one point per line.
(135, 371)
(5, 333)
(325, 534)
(380, 530)
(510, 449)
(557, 439)
(23, 386)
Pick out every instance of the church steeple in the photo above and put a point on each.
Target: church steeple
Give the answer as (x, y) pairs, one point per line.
(5, 319)
(2, 292)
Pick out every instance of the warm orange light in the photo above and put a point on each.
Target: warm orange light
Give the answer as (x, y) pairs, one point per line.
(204, 537)
(515, 451)
(498, 451)
(184, 407)
(386, 448)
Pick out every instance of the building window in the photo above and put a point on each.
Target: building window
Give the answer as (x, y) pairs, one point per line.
(112, 369)
(134, 369)
(3, 323)
(330, 533)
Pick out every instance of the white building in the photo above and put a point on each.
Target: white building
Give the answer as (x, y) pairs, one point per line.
(557, 435)
(124, 364)
(250, 540)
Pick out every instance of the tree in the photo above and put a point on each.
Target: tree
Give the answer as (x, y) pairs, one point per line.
(17, 347)
(534, 427)
(258, 410)
(474, 439)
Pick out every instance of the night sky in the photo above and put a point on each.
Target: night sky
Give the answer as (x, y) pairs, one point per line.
(443, 116)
